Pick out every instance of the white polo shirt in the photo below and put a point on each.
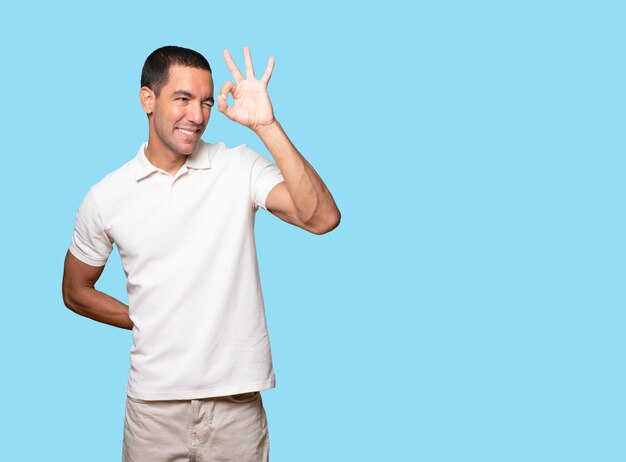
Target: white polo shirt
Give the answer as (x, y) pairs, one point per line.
(187, 247)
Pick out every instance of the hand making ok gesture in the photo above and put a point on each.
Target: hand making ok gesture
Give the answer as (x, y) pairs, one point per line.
(252, 106)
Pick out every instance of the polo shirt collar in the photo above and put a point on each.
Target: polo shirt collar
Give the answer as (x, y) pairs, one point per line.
(142, 167)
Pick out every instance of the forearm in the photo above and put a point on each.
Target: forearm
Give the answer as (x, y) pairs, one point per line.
(98, 306)
(313, 201)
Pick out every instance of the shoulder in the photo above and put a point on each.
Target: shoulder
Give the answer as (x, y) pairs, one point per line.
(117, 179)
(112, 187)
(220, 150)
(221, 155)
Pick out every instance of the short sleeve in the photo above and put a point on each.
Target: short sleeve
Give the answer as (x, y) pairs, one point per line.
(90, 244)
(264, 176)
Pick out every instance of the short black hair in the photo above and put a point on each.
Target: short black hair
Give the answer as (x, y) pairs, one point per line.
(155, 70)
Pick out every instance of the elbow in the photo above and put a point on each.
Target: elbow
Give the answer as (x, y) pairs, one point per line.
(330, 223)
(67, 298)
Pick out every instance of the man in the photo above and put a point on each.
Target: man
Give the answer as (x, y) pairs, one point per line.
(182, 216)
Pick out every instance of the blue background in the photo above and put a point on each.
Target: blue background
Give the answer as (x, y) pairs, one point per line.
(470, 307)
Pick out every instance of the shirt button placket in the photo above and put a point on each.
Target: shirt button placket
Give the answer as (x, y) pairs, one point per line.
(171, 195)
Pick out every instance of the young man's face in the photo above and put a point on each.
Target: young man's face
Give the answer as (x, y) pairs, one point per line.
(181, 111)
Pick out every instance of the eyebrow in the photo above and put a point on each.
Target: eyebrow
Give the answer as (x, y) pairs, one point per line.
(190, 95)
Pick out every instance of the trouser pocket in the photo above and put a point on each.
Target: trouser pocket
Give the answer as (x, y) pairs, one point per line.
(138, 401)
(243, 397)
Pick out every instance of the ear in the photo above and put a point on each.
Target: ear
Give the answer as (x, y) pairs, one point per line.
(147, 97)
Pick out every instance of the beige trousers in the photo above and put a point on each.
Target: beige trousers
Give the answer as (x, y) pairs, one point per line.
(229, 428)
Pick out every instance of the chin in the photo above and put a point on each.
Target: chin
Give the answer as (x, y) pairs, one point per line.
(187, 149)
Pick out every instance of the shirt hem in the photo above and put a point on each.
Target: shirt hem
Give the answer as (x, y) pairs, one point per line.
(89, 261)
(204, 393)
(268, 189)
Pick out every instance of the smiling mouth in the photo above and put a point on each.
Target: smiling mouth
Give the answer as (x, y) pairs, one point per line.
(188, 132)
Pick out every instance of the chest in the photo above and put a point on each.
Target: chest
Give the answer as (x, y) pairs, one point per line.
(160, 213)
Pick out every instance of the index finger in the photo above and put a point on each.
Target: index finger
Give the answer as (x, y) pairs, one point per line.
(232, 67)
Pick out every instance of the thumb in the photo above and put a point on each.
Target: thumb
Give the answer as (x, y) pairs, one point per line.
(222, 105)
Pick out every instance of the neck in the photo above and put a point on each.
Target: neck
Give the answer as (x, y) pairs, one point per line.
(163, 158)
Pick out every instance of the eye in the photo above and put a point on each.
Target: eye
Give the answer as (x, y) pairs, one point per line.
(182, 98)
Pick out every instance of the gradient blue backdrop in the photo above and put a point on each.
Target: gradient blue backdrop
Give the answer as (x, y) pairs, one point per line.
(470, 307)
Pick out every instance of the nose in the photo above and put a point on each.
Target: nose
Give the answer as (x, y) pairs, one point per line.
(195, 114)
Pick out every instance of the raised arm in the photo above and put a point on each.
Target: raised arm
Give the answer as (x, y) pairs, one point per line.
(302, 199)
(81, 296)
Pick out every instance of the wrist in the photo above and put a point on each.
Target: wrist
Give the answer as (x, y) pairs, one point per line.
(267, 130)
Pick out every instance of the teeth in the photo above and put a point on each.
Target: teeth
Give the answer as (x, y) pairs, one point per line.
(187, 132)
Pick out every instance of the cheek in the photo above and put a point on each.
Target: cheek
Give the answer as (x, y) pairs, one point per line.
(176, 114)
(169, 117)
